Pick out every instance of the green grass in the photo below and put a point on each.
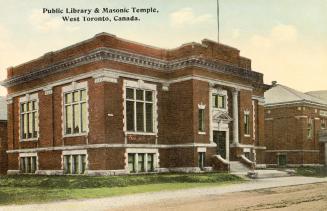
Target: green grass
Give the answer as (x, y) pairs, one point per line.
(35, 189)
(320, 171)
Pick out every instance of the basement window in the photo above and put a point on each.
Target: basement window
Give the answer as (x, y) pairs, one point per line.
(28, 164)
(140, 162)
(74, 164)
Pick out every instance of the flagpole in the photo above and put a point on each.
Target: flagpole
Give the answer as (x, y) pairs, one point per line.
(218, 19)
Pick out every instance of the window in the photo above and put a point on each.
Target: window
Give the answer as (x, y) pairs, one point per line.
(28, 164)
(246, 124)
(131, 162)
(150, 162)
(201, 120)
(140, 163)
(282, 160)
(74, 164)
(201, 160)
(219, 101)
(139, 110)
(75, 112)
(310, 129)
(323, 124)
(144, 162)
(29, 120)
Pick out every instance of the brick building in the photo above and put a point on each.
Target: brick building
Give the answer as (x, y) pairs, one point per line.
(295, 124)
(111, 106)
(3, 135)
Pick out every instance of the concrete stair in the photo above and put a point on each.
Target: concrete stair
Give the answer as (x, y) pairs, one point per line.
(238, 167)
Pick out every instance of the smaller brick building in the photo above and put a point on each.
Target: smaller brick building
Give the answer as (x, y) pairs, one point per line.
(3, 136)
(294, 128)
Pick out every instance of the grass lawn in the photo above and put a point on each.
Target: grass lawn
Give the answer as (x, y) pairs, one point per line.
(320, 171)
(34, 189)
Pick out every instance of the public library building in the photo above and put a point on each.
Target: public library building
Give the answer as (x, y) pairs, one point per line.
(109, 106)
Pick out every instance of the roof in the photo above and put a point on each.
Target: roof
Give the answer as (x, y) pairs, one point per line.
(322, 94)
(3, 108)
(280, 94)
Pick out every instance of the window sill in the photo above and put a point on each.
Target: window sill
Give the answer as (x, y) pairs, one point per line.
(75, 135)
(28, 140)
(140, 133)
(247, 135)
(202, 133)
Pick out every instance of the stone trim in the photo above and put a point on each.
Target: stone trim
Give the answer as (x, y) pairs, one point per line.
(202, 149)
(293, 103)
(97, 146)
(260, 99)
(49, 172)
(293, 150)
(102, 54)
(299, 117)
(106, 172)
(13, 172)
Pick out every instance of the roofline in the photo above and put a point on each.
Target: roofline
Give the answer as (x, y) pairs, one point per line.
(294, 103)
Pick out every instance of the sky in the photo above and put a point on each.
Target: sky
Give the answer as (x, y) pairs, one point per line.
(285, 39)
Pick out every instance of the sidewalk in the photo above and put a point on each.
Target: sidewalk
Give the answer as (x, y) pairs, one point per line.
(137, 199)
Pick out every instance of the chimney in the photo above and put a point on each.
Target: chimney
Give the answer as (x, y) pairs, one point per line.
(274, 83)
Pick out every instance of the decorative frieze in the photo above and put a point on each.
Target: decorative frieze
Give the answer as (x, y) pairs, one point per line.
(110, 54)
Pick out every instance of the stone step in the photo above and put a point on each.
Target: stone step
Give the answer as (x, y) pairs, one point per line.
(236, 166)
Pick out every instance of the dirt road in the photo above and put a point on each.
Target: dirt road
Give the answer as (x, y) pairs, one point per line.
(301, 197)
(284, 193)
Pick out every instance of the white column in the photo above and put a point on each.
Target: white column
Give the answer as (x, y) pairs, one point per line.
(210, 113)
(235, 117)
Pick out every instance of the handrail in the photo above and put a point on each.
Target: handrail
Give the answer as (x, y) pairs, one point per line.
(221, 159)
(247, 160)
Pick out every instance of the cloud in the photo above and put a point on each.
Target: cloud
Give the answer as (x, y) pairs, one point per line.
(44, 22)
(186, 16)
(283, 55)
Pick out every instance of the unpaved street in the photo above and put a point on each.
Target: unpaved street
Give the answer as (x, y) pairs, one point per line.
(300, 197)
(284, 193)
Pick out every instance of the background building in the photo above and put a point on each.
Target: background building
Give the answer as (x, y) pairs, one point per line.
(3, 135)
(111, 106)
(293, 123)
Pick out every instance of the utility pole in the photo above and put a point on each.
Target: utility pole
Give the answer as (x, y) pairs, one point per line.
(218, 20)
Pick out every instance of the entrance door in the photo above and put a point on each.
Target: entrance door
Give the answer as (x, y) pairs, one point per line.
(219, 137)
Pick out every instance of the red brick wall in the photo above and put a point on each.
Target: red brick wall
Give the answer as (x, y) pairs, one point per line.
(178, 157)
(245, 104)
(106, 159)
(286, 129)
(3, 147)
(13, 163)
(50, 160)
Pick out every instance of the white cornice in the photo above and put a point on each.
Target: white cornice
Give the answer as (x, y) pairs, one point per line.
(111, 75)
(101, 54)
